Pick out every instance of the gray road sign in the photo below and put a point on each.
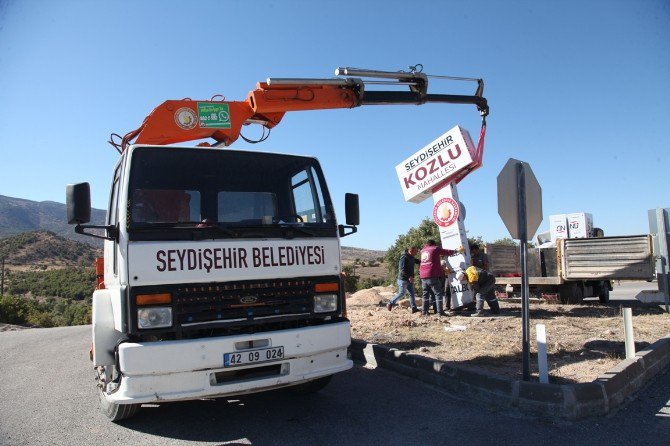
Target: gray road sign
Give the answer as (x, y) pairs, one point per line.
(520, 207)
(516, 181)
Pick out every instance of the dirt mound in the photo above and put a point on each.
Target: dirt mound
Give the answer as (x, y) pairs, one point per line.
(372, 296)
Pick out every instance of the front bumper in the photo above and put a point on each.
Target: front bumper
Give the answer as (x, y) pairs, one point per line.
(190, 369)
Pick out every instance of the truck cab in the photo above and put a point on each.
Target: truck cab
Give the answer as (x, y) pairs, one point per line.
(222, 276)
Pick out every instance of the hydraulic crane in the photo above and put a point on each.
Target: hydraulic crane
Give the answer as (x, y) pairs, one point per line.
(176, 121)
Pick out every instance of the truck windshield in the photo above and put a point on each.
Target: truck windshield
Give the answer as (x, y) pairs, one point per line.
(179, 187)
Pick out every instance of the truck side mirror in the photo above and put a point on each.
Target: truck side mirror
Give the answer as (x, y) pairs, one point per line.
(352, 217)
(78, 200)
(351, 209)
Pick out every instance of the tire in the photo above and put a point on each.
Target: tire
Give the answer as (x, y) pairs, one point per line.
(311, 386)
(117, 412)
(571, 293)
(604, 295)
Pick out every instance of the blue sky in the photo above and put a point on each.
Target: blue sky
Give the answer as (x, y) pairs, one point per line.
(578, 89)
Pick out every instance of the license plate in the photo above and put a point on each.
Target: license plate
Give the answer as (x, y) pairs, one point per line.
(253, 356)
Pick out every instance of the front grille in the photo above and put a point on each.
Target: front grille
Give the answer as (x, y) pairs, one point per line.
(242, 301)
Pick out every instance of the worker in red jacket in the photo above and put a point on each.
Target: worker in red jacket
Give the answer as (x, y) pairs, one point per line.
(432, 273)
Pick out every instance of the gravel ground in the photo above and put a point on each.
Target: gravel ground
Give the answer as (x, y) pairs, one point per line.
(583, 341)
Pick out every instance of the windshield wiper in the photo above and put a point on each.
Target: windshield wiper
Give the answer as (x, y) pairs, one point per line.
(299, 229)
(219, 228)
(164, 225)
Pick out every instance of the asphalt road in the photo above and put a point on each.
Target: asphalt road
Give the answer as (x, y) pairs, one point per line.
(624, 292)
(47, 397)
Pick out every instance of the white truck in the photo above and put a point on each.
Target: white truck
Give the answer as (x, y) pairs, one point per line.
(221, 277)
(222, 271)
(576, 267)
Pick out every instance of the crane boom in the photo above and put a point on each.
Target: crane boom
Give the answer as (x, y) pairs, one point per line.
(176, 121)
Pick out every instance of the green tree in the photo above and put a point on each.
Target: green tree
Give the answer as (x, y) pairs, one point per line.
(506, 241)
(509, 242)
(50, 313)
(350, 279)
(71, 283)
(418, 236)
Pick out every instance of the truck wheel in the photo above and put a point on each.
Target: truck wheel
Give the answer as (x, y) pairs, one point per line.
(311, 386)
(571, 293)
(113, 411)
(117, 412)
(604, 295)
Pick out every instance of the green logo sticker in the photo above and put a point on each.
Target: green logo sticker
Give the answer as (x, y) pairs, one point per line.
(213, 115)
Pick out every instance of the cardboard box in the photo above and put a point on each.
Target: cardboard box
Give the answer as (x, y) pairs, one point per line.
(435, 164)
(558, 226)
(580, 225)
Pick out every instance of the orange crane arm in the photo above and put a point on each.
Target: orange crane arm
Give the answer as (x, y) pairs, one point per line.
(176, 121)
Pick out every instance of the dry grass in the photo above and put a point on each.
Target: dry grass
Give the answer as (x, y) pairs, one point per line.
(583, 341)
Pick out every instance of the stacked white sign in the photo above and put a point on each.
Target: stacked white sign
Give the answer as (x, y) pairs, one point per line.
(558, 226)
(576, 225)
(580, 225)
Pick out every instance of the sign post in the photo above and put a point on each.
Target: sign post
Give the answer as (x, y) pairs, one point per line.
(434, 171)
(448, 215)
(520, 207)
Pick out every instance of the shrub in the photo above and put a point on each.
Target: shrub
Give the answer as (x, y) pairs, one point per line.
(418, 237)
(370, 282)
(70, 283)
(51, 313)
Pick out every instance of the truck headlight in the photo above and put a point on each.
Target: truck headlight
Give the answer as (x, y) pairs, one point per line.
(325, 303)
(154, 317)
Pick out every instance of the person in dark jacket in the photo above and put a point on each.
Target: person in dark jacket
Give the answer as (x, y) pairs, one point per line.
(478, 258)
(483, 285)
(406, 278)
(431, 272)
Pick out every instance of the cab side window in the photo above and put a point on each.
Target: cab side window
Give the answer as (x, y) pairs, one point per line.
(306, 196)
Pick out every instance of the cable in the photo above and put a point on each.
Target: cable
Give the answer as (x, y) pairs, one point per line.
(262, 138)
(116, 145)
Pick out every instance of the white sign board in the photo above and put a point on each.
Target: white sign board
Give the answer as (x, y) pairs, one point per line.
(435, 164)
(449, 216)
(206, 261)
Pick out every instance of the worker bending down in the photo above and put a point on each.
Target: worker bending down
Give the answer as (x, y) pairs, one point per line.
(483, 285)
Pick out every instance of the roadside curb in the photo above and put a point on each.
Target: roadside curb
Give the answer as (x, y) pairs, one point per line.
(600, 397)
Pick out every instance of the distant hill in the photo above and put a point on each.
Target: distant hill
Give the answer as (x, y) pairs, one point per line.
(44, 250)
(18, 215)
(350, 254)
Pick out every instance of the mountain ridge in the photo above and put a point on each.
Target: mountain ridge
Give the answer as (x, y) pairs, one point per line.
(19, 215)
(46, 250)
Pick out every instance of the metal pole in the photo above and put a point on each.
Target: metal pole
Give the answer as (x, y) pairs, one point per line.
(628, 332)
(523, 238)
(2, 278)
(541, 335)
(661, 233)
